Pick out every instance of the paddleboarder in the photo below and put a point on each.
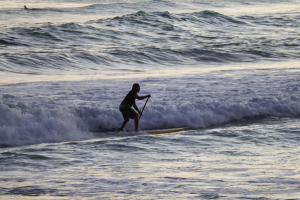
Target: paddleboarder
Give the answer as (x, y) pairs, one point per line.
(125, 106)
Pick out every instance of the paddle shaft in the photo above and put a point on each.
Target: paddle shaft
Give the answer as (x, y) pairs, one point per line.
(143, 108)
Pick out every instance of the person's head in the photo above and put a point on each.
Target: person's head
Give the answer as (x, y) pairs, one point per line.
(136, 87)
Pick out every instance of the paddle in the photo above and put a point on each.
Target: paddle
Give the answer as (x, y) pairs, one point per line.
(143, 108)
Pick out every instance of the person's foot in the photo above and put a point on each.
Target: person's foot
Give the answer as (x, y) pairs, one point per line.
(136, 130)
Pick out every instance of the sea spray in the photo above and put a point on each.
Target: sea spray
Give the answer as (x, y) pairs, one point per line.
(39, 125)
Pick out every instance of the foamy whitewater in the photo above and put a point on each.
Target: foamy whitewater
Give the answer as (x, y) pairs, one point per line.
(228, 69)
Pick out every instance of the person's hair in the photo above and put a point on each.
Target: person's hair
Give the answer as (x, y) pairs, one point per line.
(135, 86)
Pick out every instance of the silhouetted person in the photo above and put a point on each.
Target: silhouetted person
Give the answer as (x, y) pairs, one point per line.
(125, 106)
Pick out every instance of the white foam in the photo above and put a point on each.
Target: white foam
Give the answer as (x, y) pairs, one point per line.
(65, 111)
(38, 125)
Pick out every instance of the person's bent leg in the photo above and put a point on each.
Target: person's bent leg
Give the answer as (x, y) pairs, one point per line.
(123, 124)
(136, 122)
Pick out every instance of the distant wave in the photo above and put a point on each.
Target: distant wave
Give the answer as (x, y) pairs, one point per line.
(29, 9)
(133, 5)
(8, 42)
(148, 38)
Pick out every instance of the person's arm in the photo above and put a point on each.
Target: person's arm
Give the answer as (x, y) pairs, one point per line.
(136, 108)
(141, 97)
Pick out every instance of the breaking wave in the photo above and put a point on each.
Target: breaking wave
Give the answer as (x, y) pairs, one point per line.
(28, 125)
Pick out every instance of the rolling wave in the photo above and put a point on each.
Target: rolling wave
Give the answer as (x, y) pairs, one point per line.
(24, 125)
(148, 38)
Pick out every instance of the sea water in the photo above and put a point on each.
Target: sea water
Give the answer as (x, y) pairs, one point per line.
(228, 69)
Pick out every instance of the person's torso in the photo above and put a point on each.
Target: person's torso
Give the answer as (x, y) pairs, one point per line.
(129, 99)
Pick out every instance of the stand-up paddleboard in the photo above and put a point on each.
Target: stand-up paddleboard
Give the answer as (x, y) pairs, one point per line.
(152, 132)
(169, 131)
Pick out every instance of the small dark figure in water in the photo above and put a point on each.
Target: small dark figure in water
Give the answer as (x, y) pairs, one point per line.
(25, 8)
(125, 106)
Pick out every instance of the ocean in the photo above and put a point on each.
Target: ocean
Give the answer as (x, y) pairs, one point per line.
(228, 69)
